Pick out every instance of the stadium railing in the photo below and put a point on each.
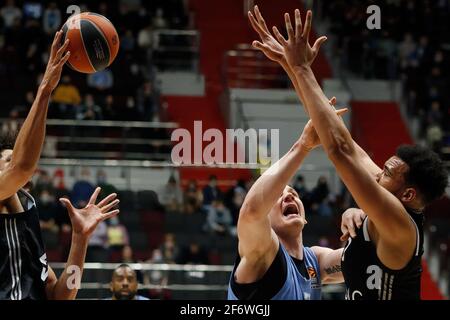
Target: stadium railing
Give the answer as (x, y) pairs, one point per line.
(183, 281)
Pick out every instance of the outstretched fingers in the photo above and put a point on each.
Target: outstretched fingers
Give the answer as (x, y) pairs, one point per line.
(55, 45)
(255, 25)
(289, 29)
(308, 23)
(279, 37)
(109, 215)
(107, 200)
(298, 24)
(110, 206)
(318, 44)
(261, 21)
(64, 59)
(94, 196)
(62, 49)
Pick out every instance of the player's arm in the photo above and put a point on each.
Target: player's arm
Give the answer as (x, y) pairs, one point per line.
(384, 209)
(275, 52)
(258, 244)
(330, 264)
(84, 221)
(30, 139)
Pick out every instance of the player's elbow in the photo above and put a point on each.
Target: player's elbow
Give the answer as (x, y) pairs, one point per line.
(17, 178)
(24, 169)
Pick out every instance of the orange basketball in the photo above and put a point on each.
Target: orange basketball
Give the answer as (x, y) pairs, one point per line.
(94, 42)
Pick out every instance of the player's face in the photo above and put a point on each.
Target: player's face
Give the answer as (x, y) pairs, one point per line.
(124, 284)
(288, 212)
(5, 158)
(392, 177)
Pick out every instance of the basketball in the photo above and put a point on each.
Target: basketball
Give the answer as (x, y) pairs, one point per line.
(94, 42)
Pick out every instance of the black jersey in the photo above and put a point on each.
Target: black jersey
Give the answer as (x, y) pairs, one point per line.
(23, 262)
(366, 278)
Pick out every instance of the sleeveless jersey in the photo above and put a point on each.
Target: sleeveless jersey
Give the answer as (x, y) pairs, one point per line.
(23, 262)
(366, 278)
(296, 286)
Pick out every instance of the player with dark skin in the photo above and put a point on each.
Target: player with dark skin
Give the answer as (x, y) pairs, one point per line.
(392, 197)
(18, 164)
(124, 284)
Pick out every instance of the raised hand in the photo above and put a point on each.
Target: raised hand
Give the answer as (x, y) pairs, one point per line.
(84, 221)
(269, 45)
(309, 138)
(297, 51)
(55, 63)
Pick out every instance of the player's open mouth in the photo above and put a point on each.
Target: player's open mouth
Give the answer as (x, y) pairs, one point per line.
(290, 210)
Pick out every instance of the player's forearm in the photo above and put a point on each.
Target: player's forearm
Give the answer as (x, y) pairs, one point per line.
(369, 164)
(291, 75)
(332, 132)
(28, 146)
(68, 283)
(267, 189)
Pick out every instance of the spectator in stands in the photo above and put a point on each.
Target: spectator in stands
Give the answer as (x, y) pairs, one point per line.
(62, 218)
(193, 197)
(434, 137)
(109, 109)
(211, 192)
(321, 191)
(12, 124)
(171, 195)
(127, 255)
(117, 235)
(43, 182)
(131, 112)
(146, 102)
(89, 110)
(219, 220)
(300, 187)
(59, 183)
(66, 97)
(233, 200)
(10, 13)
(47, 211)
(193, 254)
(82, 189)
(102, 182)
(101, 81)
(434, 115)
(52, 18)
(319, 198)
(157, 278)
(98, 244)
(169, 248)
(128, 41)
(145, 38)
(238, 200)
(25, 105)
(124, 284)
(159, 22)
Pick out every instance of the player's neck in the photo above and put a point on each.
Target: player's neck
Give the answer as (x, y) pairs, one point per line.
(294, 246)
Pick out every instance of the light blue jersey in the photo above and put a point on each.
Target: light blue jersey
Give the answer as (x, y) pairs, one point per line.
(296, 286)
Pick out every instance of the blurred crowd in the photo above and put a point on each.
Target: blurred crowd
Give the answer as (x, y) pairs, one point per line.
(412, 45)
(210, 212)
(26, 32)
